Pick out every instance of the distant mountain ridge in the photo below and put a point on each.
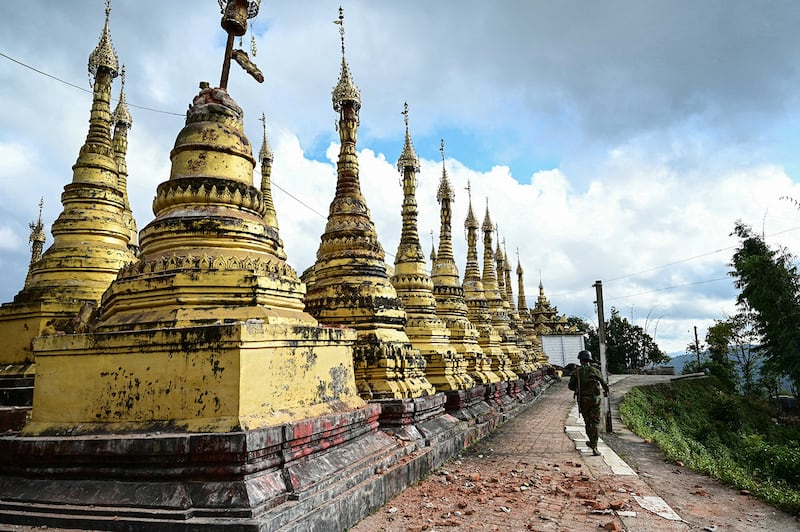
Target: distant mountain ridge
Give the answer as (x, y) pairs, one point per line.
(678, 360)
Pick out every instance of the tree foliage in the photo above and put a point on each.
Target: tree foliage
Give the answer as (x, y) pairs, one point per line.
(738, 337)
(770, 286)
(628, 347)
(722, 338)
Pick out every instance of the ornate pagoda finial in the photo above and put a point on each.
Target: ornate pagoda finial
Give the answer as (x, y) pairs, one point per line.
(121, 114)
(487, 226)
(340, 22)
(522, 304)
(471, 220)
(265, 154)
(104, 55)
(234, 21)
(445, 189)
(408, 159)
(37, 236)
(345, 89)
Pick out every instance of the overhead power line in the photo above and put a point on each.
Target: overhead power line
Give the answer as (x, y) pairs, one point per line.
(298, 200)
(670, 288)
(84, 89)
(634, 274)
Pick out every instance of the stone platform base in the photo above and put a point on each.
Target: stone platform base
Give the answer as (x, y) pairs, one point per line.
(12, 418)
(470, 407)
(16, 395)
(320, 474)
(536, 382)
(250, 480)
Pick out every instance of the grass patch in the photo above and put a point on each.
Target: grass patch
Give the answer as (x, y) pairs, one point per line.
(728, 437)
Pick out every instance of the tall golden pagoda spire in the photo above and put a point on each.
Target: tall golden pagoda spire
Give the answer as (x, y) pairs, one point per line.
(497, 309)
(489, 276)
(450, 303)
(478, 307)
(122, 120)
(90, 238)
(501, 266)
(528, 324)
(522, 305)
(103, 67)
(37, 237)
(515, 319)
(266, 157)
(349, 284)
(445, 369)
(87, 250)
(507, 271)
(433, 249)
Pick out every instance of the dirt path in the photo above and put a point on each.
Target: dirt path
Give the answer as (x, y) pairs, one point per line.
(535, 473)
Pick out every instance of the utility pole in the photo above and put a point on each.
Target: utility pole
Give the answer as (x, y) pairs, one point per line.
(601, 333)
(697, 347)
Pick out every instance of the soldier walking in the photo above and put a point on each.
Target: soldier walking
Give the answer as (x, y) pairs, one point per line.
(586, 382)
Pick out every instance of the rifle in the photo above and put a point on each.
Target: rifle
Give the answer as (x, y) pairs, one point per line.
(578, 390)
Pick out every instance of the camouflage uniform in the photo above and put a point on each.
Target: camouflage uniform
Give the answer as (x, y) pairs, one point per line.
(586, 381)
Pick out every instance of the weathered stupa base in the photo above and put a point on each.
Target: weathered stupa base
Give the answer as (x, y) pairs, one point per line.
(16, 395)
(324, 473)
(516, 389)
(470, 407)
(536, 381)
(211, 378)
(257, 479)
(20, 323)
(497, 396)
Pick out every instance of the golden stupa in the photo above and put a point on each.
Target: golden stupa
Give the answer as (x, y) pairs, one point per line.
(528, 325)
(479, 314)
(451, 305)
(91, 237)
(547, 319)
(123, 121)
(526, 366)
(349, 284)
(445, 368)
(452, 308)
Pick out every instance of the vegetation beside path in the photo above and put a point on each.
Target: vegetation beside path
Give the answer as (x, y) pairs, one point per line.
(734, 439)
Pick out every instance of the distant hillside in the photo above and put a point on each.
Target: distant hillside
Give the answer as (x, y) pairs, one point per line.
(678, 360)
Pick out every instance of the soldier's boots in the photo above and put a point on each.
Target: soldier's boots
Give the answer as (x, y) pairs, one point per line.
(593, 447)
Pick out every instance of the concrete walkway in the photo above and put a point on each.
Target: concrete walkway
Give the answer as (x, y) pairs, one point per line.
(534, 473)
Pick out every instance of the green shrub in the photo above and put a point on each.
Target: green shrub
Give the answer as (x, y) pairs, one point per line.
(726, 436)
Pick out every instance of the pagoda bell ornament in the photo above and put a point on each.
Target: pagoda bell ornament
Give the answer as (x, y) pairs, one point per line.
(234, 21)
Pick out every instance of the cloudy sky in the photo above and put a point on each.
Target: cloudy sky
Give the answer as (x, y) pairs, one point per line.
(614, 141)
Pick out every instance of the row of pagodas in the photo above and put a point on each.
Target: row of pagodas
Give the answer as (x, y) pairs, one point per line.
(192, 379)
